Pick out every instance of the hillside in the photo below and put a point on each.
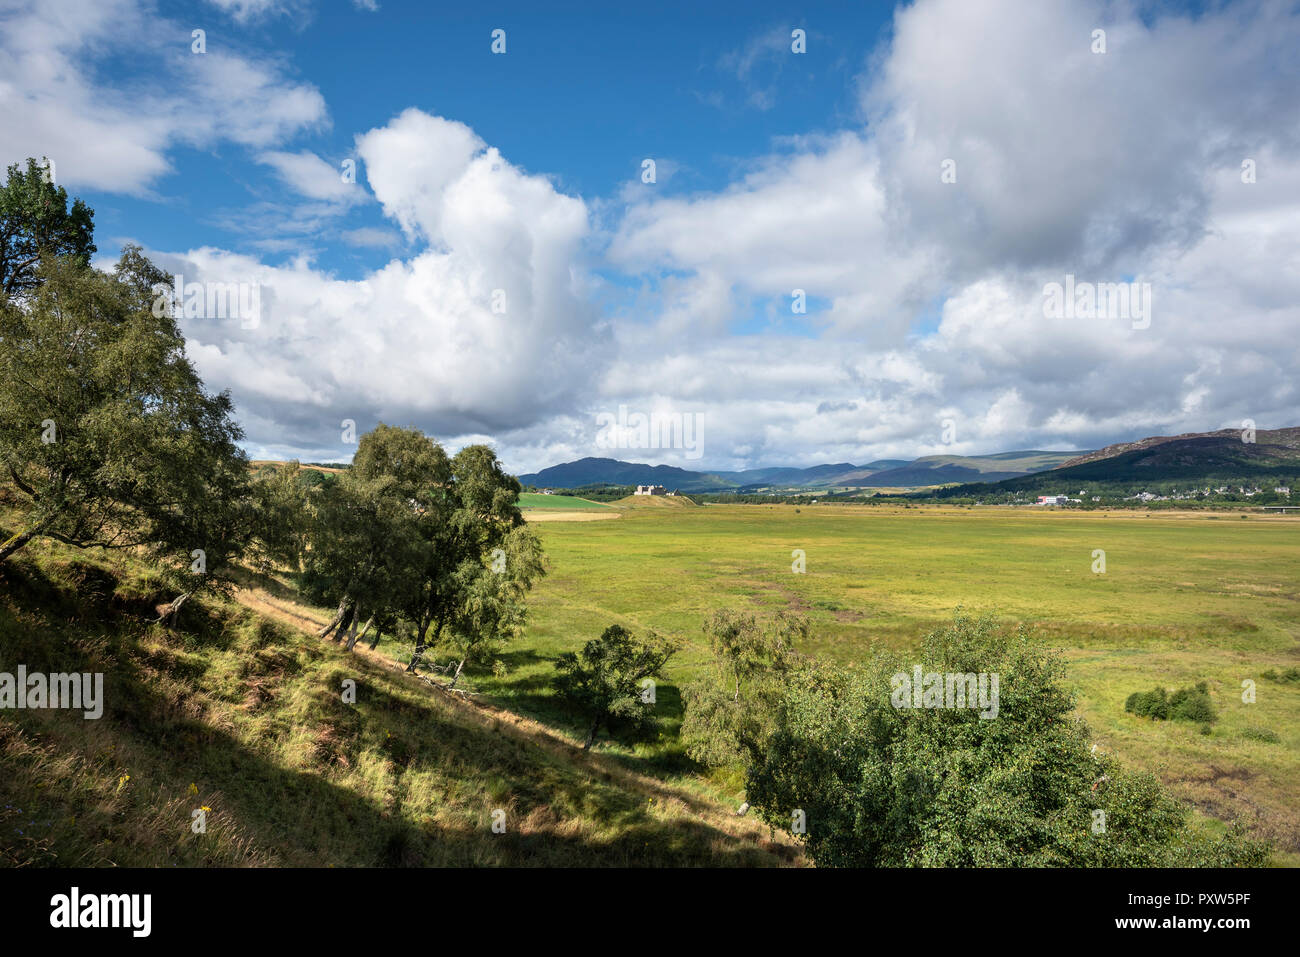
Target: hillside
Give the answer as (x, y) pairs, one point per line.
(244, 715)
(1192, 460)
(942, 469)
(1200, 449)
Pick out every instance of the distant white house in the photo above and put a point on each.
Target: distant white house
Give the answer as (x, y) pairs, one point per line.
(1053, 500)
(547, 491)
(651, 490)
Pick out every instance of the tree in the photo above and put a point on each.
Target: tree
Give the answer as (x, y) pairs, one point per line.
(880, 784)
(35, 222)
(729, 716)
(369, 530)
(489, 609)
(479, 532)
(106, 430)
(603, 681)
(282, 495)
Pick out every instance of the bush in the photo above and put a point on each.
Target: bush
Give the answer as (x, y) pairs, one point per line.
(1193, 704)
(1260, 734)
(604, 680)
(878, 784)
(1185, 704)
(1152, 704)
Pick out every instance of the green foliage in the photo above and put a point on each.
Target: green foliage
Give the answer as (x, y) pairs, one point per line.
(36, 223)
(489, 607)
(1149, 704)
(475, 563)
(106, 430)
(1185, 704)
(368, 531)
(282, 531)
(1193, 704)
(729, 715)
(936, 787)
(603, 681)
(1251, 733)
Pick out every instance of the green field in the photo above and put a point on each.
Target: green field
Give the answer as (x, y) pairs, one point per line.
(1185, 597)
(530, 500)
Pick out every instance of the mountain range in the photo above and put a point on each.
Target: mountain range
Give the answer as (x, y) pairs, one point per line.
(1192, 456)
(883, 473)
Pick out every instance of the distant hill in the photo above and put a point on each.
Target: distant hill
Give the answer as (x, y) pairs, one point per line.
(1199, 449)
(942, 469)
(1191, 459)
(883, 473)
(595, 471)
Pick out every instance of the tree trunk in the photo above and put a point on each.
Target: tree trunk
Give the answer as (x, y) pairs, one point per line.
(419, 650)
(591, 735)
(349, 616)
(353, 639)
(420, 645)
(375, 644)
(171, 611)
(338, 617)
(350, 638)
(456, 676)
(20, 539)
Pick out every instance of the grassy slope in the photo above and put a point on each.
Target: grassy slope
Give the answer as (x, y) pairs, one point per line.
(654, 502)
(531, 500)
(1185, 597)
(244, 714)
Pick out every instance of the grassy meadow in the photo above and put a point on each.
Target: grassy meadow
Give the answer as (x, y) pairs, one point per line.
(1184, 597)
(241, 707)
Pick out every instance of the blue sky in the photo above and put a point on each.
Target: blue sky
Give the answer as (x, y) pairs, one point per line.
(582, 96)
(499, 272)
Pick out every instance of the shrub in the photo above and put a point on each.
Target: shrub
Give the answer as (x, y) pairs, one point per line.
(1185, 704)
(879, 785)
(1193, 704)
(1260, 734)
(1152, 704)
(604, 680)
